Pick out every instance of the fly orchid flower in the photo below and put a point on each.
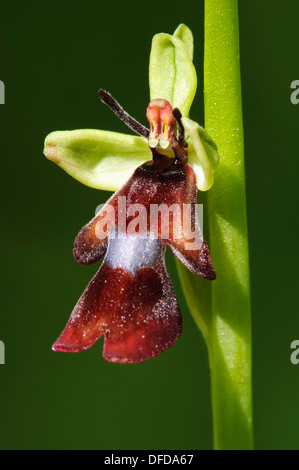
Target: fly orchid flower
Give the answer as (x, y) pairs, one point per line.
(131, 300)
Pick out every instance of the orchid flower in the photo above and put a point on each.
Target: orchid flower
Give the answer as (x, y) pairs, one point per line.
(131, 300)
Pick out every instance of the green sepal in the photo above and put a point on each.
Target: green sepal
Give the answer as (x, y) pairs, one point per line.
(172, 75)
(203, 155)
(99, 159)
(184, 34)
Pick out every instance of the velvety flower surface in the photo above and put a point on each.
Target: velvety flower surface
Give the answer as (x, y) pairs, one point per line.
(131, 301)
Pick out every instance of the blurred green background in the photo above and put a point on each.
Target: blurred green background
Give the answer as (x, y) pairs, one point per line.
(53, 57)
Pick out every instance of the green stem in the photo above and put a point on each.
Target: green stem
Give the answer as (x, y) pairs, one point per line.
(229, 341)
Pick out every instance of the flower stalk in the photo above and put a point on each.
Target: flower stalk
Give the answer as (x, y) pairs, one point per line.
(230, 338)
(223, 313)
(222, 309)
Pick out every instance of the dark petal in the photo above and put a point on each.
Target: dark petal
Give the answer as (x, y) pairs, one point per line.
(133, 305)
(174, 187)
(91, 242)
(88, 247)
(197, 261)
(189, 246)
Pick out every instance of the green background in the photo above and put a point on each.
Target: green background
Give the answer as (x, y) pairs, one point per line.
(53, 57)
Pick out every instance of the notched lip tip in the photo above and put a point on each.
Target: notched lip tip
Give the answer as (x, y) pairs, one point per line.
(115, 360)
(59, 348)
(152, 355)
(119, 360)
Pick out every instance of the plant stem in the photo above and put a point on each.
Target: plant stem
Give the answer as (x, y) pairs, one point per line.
(229, 340)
